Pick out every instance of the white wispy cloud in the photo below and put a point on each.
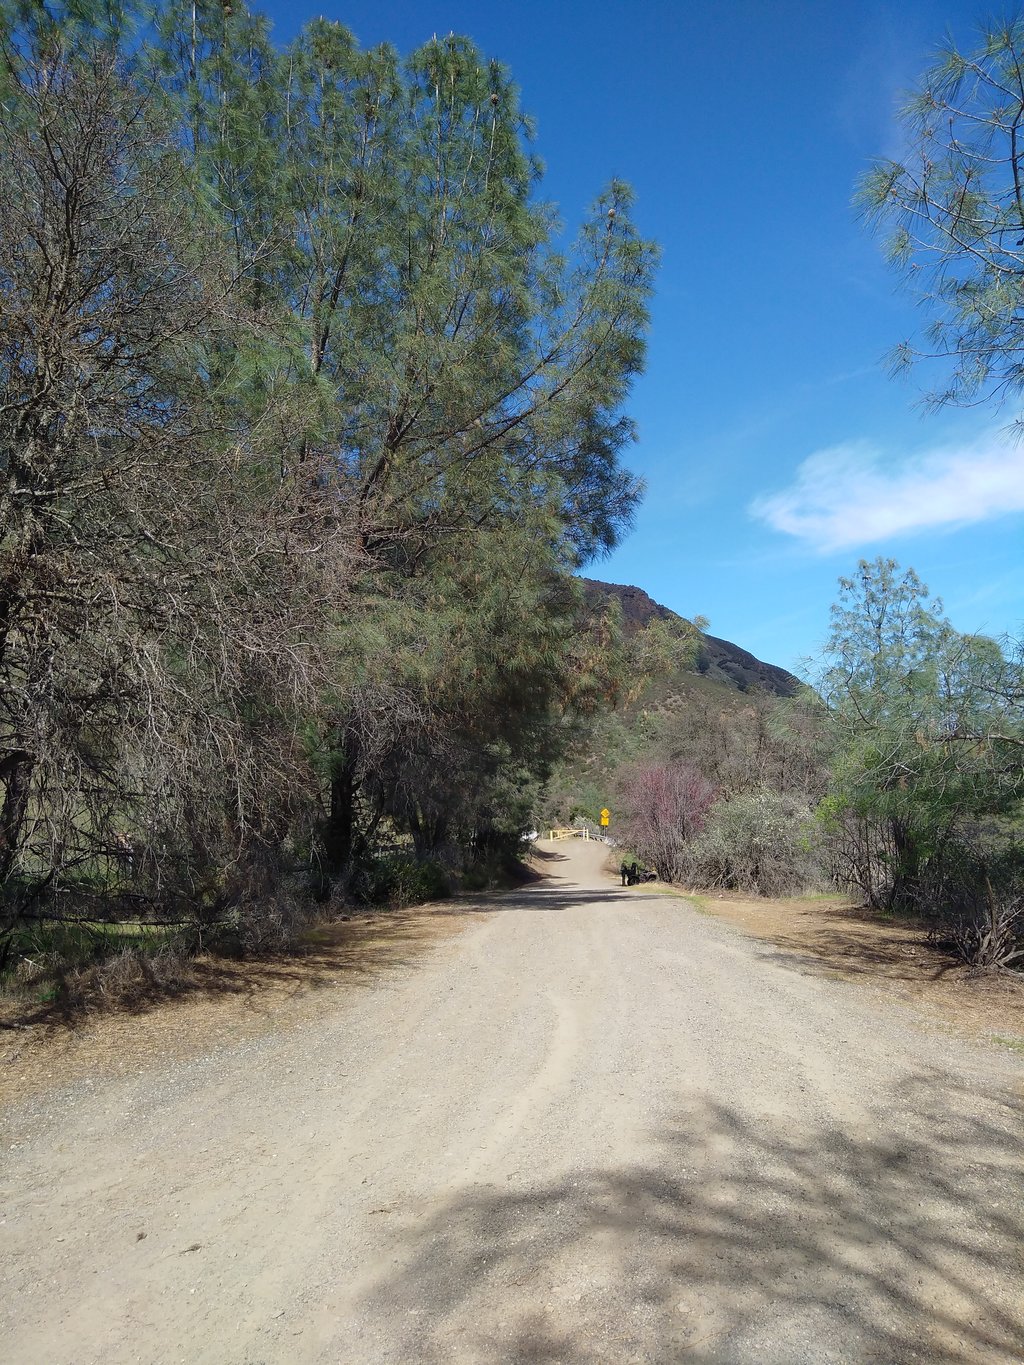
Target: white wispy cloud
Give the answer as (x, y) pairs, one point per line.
(850, 495)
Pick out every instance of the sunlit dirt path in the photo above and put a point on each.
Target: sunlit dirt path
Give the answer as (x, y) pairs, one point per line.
(595, 1126)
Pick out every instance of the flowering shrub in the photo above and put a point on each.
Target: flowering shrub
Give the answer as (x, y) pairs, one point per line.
(665, 806)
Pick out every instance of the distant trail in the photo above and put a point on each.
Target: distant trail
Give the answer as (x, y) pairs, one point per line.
(596, 1126)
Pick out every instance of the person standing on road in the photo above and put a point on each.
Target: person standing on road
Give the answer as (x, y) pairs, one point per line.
(624, 870)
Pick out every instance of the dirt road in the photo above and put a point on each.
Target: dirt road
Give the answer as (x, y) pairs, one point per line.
(594, 1126)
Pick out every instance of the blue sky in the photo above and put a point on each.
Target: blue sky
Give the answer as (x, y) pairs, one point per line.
(776, 449)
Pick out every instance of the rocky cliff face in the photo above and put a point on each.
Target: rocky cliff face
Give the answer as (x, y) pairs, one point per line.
(719, 660)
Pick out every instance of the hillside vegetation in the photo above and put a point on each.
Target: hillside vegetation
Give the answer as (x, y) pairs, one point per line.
(898, 778)
(717, 661)
(712, 688)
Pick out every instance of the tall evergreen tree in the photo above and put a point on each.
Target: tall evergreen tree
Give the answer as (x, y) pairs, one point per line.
(466, 373)
(928, 733)
(399, 418)
(952, 206)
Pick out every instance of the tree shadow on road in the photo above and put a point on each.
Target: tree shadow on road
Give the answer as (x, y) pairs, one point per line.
(540, 898)
(738, 1240)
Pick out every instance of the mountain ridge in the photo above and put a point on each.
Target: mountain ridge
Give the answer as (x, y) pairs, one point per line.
(717, 659)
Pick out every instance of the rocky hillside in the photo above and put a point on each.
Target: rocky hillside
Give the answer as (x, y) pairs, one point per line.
(719, 661)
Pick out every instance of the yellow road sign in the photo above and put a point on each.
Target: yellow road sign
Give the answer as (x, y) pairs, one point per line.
(606, 815)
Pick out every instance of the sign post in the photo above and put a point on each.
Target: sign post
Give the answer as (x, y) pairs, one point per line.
(606, 816)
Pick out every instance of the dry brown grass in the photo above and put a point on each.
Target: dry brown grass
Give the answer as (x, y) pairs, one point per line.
(893, 956)
(119, 1023)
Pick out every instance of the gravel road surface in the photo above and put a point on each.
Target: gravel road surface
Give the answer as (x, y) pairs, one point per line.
(593, 1126)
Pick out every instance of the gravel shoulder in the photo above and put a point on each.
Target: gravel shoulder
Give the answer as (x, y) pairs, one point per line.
(593, 1125)
(892, 956)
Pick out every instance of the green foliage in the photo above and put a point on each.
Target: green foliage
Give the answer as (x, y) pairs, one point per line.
(329, 492)
(624, 722)
(927, 781)
(386, 210)
(497, 865)
(40, 944)
(479, 675)
(396, 879)
(466, 376)
(582, 783)
(953, 211)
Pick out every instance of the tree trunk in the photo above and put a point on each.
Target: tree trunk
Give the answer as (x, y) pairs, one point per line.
(906, 868)
(16, 771)
(340, 832)
(427, 835)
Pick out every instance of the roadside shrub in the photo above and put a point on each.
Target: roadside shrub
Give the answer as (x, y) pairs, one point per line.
(496, 870)
(972, 891)
(992, 938)
(110, 967)
(761, 841)
(665, 806)
(397, 879)
(270, 919)
(130, 978)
